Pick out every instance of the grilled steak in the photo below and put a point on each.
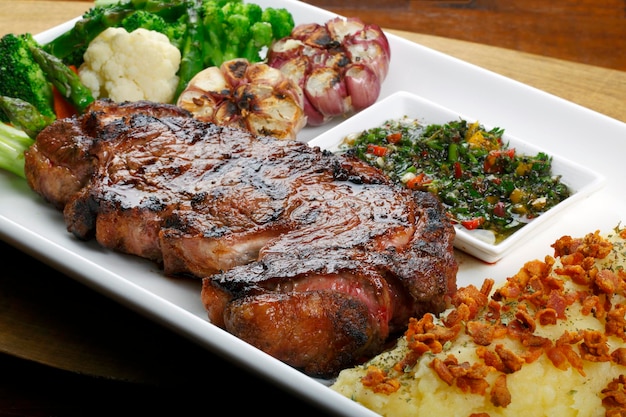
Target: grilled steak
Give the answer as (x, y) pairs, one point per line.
(314, 258)
(362, 262)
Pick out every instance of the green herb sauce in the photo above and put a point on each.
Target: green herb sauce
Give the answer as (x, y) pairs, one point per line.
(482, 182)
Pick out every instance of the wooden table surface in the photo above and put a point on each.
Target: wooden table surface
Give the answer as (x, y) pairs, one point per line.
(66, 350)
(590, 32)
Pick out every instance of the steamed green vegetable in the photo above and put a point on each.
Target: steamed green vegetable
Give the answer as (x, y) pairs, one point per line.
(64, 79)
(27, 77)
(23, 115)
(20, 75)
(191, 61)
(13, 143)
(27, 104)
(234, 29)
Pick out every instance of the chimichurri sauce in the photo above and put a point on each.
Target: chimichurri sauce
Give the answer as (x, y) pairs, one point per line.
(482, 182)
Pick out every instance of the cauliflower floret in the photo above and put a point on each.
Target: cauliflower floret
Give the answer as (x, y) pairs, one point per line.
(140, 65)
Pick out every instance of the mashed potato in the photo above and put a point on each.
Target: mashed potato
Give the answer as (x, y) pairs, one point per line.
(549, 342)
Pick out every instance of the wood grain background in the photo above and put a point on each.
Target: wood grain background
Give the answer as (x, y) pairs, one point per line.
(586, 31)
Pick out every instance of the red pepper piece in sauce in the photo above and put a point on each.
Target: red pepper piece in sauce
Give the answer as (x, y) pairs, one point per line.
(377, 150)
(458, 170)
(499, 209)
(394, 137)
(418, 182)
(473, 223)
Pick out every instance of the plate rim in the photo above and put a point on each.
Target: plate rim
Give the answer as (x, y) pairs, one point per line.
(47, 248)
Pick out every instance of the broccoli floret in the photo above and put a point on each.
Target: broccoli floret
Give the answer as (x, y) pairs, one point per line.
(145, 20)
(20, 75)
(281, 21)
(13, 143)
(251, 11)
(234, 29)
(245, 33)
(175, 30)
(260, 36)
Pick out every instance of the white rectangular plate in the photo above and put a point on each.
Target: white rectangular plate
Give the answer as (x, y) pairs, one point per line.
(580, 180)
(558, 126)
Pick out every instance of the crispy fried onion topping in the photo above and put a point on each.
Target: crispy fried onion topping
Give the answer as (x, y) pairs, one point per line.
(537, 295)
(614, 397)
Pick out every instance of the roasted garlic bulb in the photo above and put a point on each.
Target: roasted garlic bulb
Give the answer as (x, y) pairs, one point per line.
(340, 65)
(252, 96)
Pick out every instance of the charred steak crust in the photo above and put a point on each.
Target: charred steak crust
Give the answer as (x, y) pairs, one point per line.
(313, 257)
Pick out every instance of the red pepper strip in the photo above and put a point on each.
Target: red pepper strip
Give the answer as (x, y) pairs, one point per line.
(377, 150)
(62, 107)
(473, 223)
(458, 170)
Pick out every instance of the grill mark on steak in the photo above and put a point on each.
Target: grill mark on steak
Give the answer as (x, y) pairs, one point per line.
(313, 257)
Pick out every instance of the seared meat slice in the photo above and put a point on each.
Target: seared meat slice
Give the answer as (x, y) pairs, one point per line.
(199, 198)
(57, 168)
(385, 252)
(61, 161)
(246, 201)
(315, 317)
(313, 257)
(318, 332)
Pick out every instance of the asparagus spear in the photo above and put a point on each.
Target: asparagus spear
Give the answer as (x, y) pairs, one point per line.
(24, 116)
(13, 143)
(86, 29)
(64, 79)
(191, 62)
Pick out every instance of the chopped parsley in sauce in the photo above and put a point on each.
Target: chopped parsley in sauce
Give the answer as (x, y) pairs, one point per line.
(482, 182)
